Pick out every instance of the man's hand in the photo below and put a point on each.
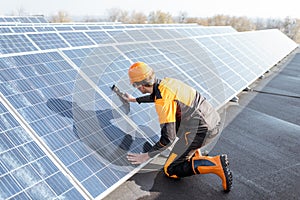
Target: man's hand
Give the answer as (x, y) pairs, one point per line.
(136, 159)
(129, 98)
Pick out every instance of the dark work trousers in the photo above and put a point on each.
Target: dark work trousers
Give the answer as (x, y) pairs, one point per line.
(191, 137)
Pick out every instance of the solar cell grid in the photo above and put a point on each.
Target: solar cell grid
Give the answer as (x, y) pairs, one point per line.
(15, 44)
(48, 41)
(106, 67)
(40, 104)
(245, 46)
(186, 64)
(233, 78)
(44, 29)
(76, 39)
(244, 54)
(26, 171)
(80, 27)
(120, 36)
(63, 28)
(5, 30)
(99, 37)
(137, 35)
(244, 61)
(256, 43)
(23, 29)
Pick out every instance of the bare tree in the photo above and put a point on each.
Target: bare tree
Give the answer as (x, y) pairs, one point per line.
(159, 17)
(290, 27)
(124, 16)
(61, 17)
(138, 18)
(114, 14)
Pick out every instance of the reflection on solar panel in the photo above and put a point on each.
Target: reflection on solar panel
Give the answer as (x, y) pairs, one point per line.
(42, 92)
(27, 172)
(62, 128)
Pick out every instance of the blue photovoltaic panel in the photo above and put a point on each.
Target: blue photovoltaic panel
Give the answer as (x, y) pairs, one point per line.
(9, 19)
(63, 28)
(106, 67)
(44, 28)
(256, 43)
(100, 37)
(94, 27)
(23, 29)
(81, 134)
(137, 35)
(212, 76)
(80, 27)
(24, 19)
(240, 40)
(165, 34)
(233, 78)
(41, 20)
(202, 79)
(48, 41)
(15, 44)
(243, 54)
(252, 69)
(26, 172)
(120, 36)
(151, 34)
(5, 30)
(221, 50)
(76, 39)
(107, 27)
(204, 30)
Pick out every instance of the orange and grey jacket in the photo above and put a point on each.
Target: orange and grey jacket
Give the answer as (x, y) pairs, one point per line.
(176, 104)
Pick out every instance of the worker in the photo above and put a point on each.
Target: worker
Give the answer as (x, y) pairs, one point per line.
(182, 113)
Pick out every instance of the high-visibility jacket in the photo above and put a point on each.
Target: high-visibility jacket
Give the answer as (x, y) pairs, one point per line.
(176, 104)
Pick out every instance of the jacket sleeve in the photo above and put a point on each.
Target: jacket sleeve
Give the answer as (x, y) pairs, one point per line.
(168, 135)
(145, 99)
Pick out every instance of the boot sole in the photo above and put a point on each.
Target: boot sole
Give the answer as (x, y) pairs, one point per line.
(227, 172)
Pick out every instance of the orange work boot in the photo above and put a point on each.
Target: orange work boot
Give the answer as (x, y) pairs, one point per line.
(217, 165)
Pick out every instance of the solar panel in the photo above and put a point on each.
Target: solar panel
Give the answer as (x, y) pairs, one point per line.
(235, 77)
(23, 19)
(99, 37)
(5, 30)
(15, 44)
(81, 137)
(48, 40)
(77, 39)
(44, 29)
(243, 54)
(27, 172)
(23, 29)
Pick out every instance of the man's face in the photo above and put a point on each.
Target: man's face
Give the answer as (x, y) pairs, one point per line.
(142, 89)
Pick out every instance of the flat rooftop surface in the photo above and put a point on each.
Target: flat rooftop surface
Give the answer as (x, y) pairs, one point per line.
(261, 138)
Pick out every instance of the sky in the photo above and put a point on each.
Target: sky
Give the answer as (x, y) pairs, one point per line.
(193, 8)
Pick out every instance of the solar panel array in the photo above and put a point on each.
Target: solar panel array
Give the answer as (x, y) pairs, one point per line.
(22, 19)
(65, 134)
